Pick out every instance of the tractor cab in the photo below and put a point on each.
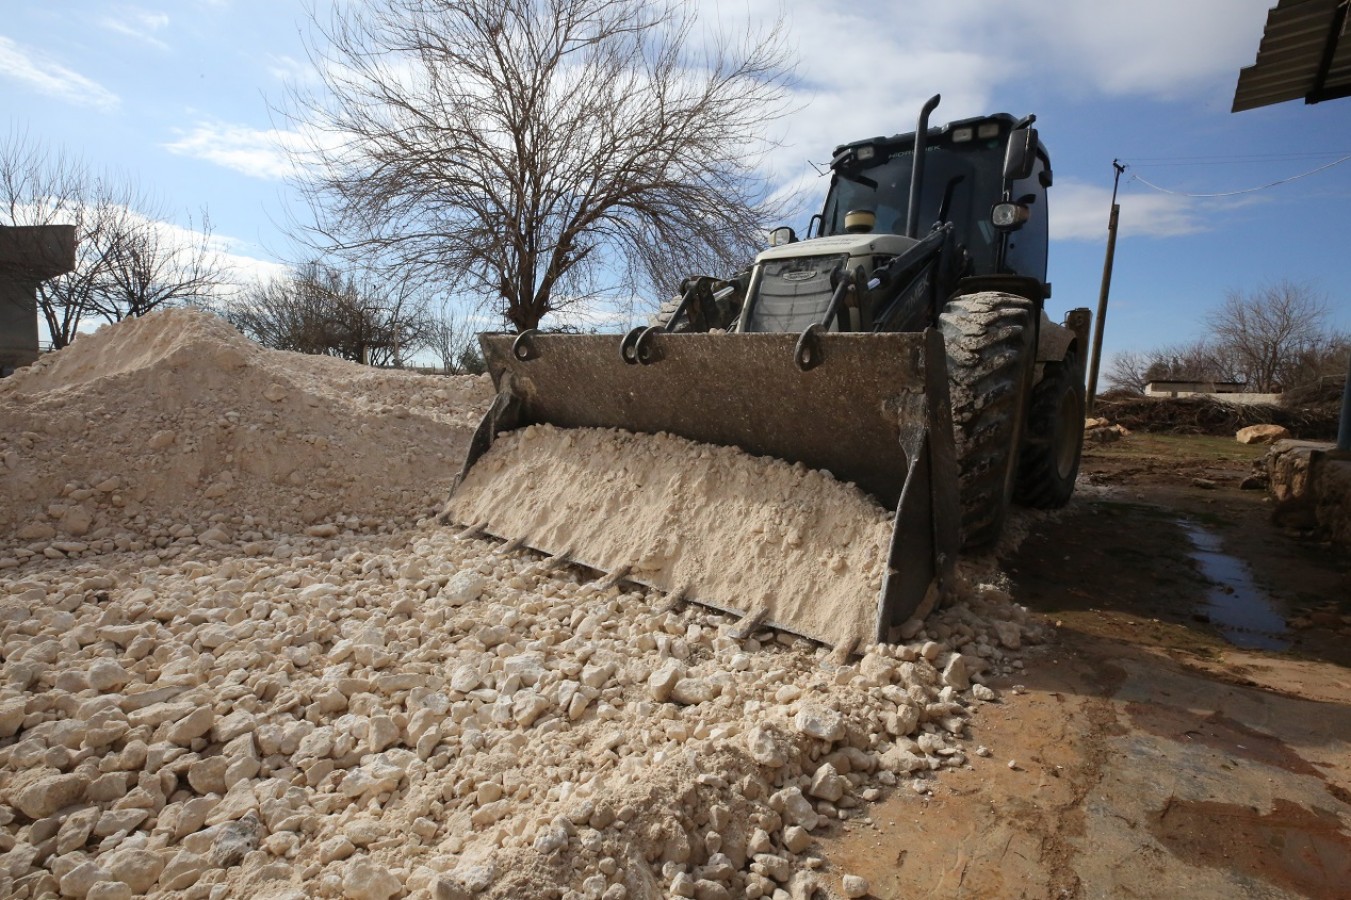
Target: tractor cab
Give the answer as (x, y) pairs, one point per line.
(963, 182)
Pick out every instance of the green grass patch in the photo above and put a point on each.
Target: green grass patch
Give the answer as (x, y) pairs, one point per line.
(1141, 445)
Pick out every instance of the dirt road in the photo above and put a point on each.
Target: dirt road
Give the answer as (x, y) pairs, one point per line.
(1188, 733)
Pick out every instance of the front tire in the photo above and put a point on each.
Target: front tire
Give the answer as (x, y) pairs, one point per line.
(1054, 439)
(988, 337)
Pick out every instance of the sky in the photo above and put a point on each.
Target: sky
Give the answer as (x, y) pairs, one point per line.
(183, 98)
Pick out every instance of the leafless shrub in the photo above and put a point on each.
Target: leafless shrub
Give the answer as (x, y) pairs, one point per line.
(321, 309)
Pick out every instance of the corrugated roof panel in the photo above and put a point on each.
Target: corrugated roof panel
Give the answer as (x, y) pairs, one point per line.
(1291, 58)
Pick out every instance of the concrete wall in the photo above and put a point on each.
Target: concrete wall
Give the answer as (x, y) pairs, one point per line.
(29, 255)
(1188, 388)
(1222, 393)
(18, 323)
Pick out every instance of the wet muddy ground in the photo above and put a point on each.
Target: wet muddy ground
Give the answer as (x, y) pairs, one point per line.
(1187, 733)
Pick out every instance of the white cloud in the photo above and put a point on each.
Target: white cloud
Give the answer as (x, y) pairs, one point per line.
(1079, 213)
(292, 71)
(866, 69)
(258, 153)
(1162, 49)
(49, 77)
(138, 25)
(232, 255)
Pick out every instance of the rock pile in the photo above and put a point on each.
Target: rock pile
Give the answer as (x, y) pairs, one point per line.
(366, 707)
(414, 715)
(1103, 431)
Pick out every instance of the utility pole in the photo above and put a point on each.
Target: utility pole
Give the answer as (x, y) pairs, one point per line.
(1102, 295)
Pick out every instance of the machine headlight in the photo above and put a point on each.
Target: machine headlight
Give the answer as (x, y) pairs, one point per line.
(988, 130)
(1008, 216)
(865, 153)
(962, 135)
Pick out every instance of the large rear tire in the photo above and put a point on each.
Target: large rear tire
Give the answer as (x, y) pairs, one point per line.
(1054, 438)
(988, 337)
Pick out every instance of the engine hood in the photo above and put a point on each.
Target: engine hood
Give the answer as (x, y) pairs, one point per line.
(852, 244)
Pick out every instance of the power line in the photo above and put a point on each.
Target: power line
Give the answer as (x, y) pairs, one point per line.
(1251, 190)
(1235, 158)
(1236, 161)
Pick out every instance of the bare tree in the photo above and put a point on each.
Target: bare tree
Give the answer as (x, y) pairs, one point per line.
(322, 309)
(1266, 331)
(1202, 360)
(538, 153)
(147, 264)
(40, 187)
(455, 344)
(128, 261)
(1128, 371)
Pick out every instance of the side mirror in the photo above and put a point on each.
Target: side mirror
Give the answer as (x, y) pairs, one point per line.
(782, 235)
(1021, 155)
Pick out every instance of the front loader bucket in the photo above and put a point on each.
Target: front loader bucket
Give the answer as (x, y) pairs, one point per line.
(871, 409)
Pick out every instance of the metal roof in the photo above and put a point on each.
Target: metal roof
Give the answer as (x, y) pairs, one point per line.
(1305, 53)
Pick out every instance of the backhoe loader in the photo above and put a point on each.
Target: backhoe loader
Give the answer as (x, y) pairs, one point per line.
(901, 346)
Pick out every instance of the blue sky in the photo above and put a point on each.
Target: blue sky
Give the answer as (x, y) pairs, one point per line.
(180, 97)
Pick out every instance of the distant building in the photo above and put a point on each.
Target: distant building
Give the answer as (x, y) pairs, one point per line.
(1225, 391)
(1188, 388)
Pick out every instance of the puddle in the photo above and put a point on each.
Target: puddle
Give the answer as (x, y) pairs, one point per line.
(1241, 611)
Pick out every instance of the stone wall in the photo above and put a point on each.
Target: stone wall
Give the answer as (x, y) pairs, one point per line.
(1311, 484)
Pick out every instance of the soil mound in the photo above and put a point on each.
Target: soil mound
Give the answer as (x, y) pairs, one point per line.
(176, 421)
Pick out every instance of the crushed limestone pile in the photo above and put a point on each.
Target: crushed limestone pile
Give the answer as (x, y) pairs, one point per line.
(723, 527)
(298, 685)
(415, 716)
(175, 427)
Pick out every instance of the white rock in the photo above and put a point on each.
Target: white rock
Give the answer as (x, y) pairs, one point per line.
(465, 679)
(692, 691)
(79, 880)
(854, 886)
(107, 675)
(1009, 634)
(662, 682)
(138, 868)
(110, 890)
(796, 838)
(182, 871)
(463, 587)
(368, 880)
(820, 722)
(955, 673)
(796, 809)
(48, 794)
(194, 725)
(827, 783)
(764, 748)
(527, 706)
